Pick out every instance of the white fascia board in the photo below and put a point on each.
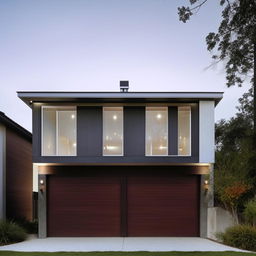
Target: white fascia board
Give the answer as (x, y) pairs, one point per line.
(35, 177)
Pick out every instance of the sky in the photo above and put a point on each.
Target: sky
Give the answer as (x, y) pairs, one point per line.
(90, 45)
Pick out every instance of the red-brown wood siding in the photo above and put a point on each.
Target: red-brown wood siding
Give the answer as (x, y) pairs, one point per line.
(163, 206)
(83, 206)
(19, 176)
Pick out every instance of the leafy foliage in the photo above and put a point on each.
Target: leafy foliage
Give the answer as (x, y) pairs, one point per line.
(233, 181)
(241, 236)
(250, 212)
(31, 227)
(235, 39)
(10, 232)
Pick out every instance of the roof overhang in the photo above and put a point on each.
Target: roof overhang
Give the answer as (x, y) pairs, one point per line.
(117, 97)
(8, 122)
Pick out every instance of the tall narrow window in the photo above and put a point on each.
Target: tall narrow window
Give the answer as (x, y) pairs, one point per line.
(112, 131)
(59, 131)
(156, 131)
(184, 127)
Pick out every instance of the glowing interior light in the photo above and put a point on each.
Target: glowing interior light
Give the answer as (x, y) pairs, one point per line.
(74, 144)
(111, 147)
(159, 116)
(162, 147)
(114, 117)
(73, 116)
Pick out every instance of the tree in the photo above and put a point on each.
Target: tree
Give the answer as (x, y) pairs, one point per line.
(233, 181)
(234, 42)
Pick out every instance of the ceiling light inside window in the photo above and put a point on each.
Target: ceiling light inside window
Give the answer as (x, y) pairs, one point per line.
(112, 147)
(159, 116)
(73, 116)
(114, 117)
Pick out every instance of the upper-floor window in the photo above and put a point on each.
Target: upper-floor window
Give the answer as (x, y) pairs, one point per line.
(184, 131)
(156, 131)
(112, 131)
(58, 131)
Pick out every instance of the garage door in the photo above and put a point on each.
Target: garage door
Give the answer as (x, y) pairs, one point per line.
(163, 206)
(123, 205)
(83, 206)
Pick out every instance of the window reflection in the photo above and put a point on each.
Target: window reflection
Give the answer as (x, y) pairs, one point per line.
(156, 131)
(184, 137)
(112, 131)
(59, 131)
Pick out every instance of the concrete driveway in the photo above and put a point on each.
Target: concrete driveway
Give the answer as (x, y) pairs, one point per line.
(86, 244)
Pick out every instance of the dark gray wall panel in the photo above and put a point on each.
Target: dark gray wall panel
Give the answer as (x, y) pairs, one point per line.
(36, 131)
(173, 130)
(89, 139)
(89, 131)
(134, 131)
(195, 131)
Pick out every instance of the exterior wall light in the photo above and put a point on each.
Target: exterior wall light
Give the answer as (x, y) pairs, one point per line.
(41, 182)
(206, 186)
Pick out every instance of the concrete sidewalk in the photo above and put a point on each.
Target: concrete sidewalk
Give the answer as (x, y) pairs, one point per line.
(86, 244)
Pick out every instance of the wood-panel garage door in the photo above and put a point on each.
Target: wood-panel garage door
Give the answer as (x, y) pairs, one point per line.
(83, 206)
(163, 206)
(127, 204)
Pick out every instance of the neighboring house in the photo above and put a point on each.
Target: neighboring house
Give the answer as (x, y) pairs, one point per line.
(123, 163)
(15, 170)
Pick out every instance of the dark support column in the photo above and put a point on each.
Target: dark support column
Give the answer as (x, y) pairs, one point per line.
(42, 206)
(173, 131)
(124, 206)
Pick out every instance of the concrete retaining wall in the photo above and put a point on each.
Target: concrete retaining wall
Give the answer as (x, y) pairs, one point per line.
(218, 221)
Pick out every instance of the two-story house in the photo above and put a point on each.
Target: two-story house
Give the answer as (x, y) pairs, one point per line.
(123, 163)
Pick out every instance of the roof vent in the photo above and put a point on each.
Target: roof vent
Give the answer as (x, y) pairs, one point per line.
(124, 86)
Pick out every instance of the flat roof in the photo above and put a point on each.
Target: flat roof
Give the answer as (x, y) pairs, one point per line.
(8, 122)
(116, 97)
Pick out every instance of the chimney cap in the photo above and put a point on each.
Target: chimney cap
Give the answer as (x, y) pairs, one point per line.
(124, 86)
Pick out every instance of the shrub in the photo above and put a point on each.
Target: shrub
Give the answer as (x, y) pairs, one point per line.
(10, 232)
(250, 212)
(31, 227)
(240, 236)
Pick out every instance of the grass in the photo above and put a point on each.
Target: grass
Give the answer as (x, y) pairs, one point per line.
(11, 253)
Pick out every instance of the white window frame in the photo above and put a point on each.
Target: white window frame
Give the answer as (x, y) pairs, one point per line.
(164, 107)
(190, 116)
(56, 129)
(122, 154)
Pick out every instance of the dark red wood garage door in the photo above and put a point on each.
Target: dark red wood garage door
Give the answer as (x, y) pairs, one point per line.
(128, 204)
(83, 206)
(163, 206)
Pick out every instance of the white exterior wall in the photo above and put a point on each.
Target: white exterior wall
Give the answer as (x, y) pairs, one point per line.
(206, 132)
(35, 178)
(2, 170)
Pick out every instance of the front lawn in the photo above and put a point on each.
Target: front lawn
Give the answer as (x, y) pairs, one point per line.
(10, 253)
